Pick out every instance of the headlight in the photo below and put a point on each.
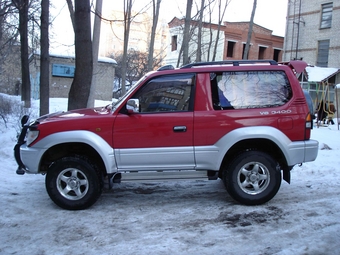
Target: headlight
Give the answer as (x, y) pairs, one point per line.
(31, 136)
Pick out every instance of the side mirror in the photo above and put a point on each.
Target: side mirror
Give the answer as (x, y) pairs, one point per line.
(132, 105)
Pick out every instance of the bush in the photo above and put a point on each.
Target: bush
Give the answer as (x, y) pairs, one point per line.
(6, 107)
(12, 110)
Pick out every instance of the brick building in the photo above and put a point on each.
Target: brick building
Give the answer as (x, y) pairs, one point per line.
(231, 43)
(312, 32)
(176, 27)
(312, 35)
(263, 44)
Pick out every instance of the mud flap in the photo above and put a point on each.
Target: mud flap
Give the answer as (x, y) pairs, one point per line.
(286, 174)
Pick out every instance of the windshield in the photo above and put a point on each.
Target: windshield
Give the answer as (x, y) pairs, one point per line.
(116, 104)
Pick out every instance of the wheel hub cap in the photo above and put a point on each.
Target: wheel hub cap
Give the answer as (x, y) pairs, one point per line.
(253, 177)
(73, 183)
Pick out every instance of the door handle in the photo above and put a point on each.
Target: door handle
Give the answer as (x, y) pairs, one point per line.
(180, 129)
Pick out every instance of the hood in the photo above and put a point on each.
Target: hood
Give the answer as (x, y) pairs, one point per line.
(75, 114)
(97, 120)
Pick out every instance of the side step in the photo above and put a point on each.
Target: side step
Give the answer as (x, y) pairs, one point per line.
(164, 176)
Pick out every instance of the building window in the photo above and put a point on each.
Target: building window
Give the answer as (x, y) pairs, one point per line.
(174, 43)
(262, 51)
(230, 49)
(323, 50)
(276, 55)
(326, 16)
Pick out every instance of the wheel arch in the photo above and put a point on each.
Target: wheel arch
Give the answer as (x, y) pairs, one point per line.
(264, 138)
(260, 144)
(82, 143)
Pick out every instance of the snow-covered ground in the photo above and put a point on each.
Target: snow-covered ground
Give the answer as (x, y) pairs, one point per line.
(188, 217)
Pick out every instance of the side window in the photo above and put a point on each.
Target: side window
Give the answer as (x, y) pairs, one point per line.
(254, 89)
(166, 93)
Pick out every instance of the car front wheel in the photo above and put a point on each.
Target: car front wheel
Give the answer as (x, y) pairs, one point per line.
(73, 183)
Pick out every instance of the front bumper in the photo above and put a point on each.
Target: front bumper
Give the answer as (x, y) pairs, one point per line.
(21, 167)
(26, 157)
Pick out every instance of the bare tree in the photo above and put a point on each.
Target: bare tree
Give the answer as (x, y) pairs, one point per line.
(250, 31)
(22, 6)
(155, 11)
(80, 87)
(9, 50)
(71, 11)
(210, 42)
(221, 13)
(136, 66)
(95, 50)
(199, 33)
(44, 58)
(186, 35)
(127, 24)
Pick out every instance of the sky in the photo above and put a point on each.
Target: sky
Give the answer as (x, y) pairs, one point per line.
(270, 14)
(165, 218)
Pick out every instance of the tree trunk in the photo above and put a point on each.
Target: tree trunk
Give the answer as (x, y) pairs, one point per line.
(250, 31)
(80, 87)
(210, 32)
(70, 8)
(156, 7)
(186, 35)
(44, 59)
(22, 6)
(127, 23)
(199, 34)
(95, 50)
(220, 19)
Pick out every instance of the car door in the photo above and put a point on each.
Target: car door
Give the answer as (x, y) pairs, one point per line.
(160, 135)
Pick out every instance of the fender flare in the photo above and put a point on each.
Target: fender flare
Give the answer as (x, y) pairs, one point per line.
(292, 151)
(105, 151)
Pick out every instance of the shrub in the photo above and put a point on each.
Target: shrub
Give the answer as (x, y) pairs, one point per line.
(6, 106)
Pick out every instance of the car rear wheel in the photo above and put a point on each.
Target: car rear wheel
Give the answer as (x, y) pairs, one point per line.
(73, 183)
(252, 178)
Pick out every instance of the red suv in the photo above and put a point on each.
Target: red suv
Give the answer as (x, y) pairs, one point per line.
(245, 122)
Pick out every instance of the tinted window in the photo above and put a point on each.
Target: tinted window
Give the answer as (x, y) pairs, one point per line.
(166, 93)
(255, 89)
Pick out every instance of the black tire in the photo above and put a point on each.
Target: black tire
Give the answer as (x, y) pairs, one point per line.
(73, 183)
(252, 178)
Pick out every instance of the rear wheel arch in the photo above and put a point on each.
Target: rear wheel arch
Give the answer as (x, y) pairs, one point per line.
(258, 144)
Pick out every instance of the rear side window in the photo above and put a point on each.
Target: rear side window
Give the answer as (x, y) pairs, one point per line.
(254, 89)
